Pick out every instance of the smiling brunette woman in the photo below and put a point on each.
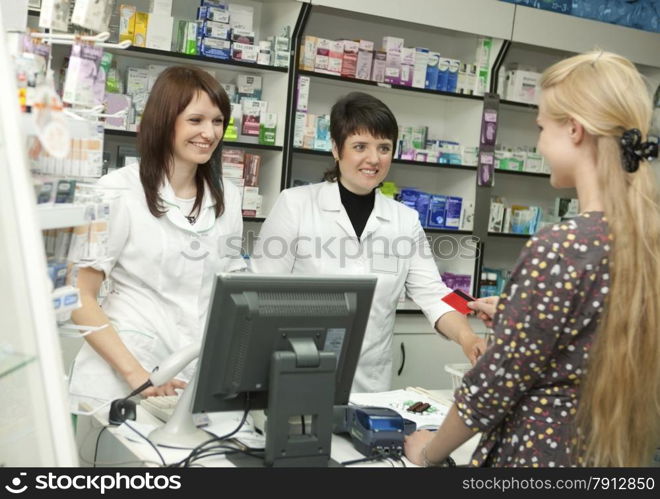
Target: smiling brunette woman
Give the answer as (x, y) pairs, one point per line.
(346, 226)
(168, 221)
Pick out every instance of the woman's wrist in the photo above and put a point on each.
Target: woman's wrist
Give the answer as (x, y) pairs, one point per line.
(428, 463)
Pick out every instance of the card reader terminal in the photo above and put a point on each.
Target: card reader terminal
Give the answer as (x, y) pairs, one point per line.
(373, 430)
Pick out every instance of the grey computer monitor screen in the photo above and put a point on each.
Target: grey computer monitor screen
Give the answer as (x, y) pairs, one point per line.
(253, 315)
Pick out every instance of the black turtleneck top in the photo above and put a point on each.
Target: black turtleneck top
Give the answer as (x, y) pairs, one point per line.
(357, 207)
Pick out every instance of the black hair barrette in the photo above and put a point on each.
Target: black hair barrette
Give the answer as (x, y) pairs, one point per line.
(634, 150)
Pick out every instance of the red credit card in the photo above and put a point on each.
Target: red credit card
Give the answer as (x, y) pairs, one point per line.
(458, 300)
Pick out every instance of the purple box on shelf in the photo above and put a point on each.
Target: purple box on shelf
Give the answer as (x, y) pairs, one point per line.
(449, 279)
(113, 104)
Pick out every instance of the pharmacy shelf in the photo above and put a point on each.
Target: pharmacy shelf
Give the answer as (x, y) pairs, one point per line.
(58, 216)
(524, 174)
(247, 145)
(167, 56)
(314, 152)
(355, 81)
(448, 231)
(518, 105)
(120, 133)
(509, 235)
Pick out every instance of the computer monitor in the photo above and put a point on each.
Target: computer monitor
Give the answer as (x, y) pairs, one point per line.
(288, 344)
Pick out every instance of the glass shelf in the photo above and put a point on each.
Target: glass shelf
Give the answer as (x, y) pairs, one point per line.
(511, 104)
(12, 361)
(524, 174)
(164, 55)
(355, 81)
(509, 235)
(314, 152)
(111, 132)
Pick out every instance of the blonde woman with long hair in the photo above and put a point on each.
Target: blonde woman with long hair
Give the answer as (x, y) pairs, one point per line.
(573, 378)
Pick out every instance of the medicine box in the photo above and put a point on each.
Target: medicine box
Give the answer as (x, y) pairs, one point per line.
(364, 64)
(309, 53)
(453, 212)
(242, 36)
(303, 93)
(141, 26)
(159, 34)
(379, 65)
(213, 29)
(126, 22)
(522, 86)
(213, 14)
(350, 59)
(244, 52)
(213, 47)
(437, 209)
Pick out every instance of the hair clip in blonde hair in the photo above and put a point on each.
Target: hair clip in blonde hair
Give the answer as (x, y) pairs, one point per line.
(634, 150)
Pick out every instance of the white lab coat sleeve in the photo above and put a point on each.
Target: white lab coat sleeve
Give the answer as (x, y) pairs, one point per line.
(119, 227)
(274, 250)
(234, 242)
(423, 282)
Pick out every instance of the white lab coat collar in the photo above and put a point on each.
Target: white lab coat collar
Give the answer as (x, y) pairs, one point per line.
(330, 200)
(206, 217)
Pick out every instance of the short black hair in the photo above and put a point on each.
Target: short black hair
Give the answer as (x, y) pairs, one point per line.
(359, 112)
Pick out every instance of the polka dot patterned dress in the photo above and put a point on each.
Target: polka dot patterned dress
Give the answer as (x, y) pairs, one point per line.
(522, 393)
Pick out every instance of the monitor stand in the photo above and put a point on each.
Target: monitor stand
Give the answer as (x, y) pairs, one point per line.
(180, 430)
(302, 383)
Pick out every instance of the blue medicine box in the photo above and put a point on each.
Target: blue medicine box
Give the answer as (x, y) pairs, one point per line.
(409, 197)
(422, 207)
(437, 208)
(432, 71)
(453, 212)
(417, 200)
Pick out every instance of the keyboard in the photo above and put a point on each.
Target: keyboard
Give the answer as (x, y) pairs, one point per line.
(163, 407)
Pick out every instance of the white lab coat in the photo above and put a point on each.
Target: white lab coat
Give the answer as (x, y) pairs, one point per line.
(161, 272)
(308, 232)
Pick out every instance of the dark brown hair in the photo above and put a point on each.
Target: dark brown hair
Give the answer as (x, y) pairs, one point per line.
(359, 112)
(170, 95)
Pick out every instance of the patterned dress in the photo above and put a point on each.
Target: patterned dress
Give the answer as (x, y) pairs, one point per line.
(522, 393)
